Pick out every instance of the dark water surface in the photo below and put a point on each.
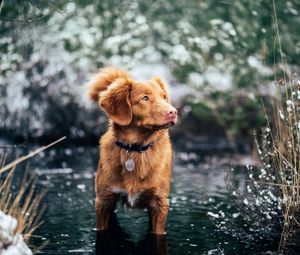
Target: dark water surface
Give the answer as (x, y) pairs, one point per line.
(198, 189)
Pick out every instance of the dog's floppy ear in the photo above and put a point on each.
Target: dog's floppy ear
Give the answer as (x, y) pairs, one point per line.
(116, 101)
(163, 85)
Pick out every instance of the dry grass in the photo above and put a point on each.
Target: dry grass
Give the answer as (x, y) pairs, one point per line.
(26, 205)
(286, 156)
(286, 145)
(270, 204)
(280, 150)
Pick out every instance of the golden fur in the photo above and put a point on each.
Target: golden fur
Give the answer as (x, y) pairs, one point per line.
(139, 113)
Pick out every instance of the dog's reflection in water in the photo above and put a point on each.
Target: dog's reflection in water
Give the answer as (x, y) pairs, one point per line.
(115, 241)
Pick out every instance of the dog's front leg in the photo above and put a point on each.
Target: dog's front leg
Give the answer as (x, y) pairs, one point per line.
(104, 207)
(159, 208)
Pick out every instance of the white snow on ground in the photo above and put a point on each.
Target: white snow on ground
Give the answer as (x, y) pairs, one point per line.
(11, 243)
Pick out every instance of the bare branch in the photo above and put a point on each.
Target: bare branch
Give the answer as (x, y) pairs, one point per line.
(23, 21)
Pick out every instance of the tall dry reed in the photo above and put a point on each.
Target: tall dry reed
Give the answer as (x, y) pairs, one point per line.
(25, 204)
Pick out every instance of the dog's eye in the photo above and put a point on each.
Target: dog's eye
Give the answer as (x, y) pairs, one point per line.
(165, 96)
(145, 98)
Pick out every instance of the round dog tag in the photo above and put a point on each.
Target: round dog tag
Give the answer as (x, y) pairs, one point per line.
(129, 165)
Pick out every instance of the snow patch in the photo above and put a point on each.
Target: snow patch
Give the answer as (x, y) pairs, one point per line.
(11, 243)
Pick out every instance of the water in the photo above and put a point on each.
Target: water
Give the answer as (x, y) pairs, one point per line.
(198, 189)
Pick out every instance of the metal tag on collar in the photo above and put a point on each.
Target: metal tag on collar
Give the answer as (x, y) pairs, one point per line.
(129, 164)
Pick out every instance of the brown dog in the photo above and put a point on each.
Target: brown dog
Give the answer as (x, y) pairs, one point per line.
(135, 152)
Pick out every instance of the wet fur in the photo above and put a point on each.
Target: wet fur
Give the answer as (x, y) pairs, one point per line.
(133, 121)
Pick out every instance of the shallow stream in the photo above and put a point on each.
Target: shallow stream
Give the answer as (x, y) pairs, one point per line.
(198, 191)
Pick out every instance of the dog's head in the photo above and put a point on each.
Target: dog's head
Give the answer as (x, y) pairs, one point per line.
(142, 104)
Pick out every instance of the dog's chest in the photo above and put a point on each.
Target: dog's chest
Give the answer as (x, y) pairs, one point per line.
(131, 198)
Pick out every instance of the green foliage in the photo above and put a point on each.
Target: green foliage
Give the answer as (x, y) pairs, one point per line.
(234, 41)
(190, 35)
(201, 111)
(237, 114)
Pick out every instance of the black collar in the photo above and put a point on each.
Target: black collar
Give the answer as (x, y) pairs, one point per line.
(134, 147)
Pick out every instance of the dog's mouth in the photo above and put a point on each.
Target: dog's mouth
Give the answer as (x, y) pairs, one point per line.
(163, 126)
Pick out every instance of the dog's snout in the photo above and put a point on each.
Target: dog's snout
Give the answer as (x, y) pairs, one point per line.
(171, 111)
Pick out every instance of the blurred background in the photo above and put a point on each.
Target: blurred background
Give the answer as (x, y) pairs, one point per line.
(225, 61)
(221, 58)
